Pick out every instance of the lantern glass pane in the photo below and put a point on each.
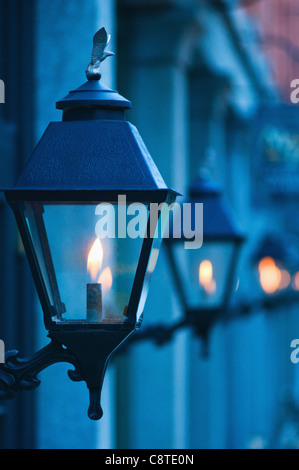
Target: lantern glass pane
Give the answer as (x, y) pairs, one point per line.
(204, 273)
(88, 256)
(158, 225)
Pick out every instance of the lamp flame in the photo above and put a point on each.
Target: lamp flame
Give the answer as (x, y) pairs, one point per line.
(205, 274)
(285, 279)
(106, 279)
(295, 282)
(270, 275)
(95, 260)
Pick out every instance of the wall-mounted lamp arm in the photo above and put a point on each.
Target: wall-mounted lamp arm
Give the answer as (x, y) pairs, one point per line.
(18, 374)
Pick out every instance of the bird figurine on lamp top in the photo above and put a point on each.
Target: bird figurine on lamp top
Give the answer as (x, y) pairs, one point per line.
(100, 42)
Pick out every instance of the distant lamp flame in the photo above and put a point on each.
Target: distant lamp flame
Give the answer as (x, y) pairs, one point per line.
(106, 279)
(205, 274)
(285, 279)
(266, 262)
(270, 275)
(211, 287)
(295, 281)
(95, 260)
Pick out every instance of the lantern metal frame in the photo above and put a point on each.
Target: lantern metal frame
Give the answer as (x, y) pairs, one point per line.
(14, 197)
(93, 155)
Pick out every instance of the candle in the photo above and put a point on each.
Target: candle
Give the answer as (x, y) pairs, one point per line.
(94, 307)
(94, 304)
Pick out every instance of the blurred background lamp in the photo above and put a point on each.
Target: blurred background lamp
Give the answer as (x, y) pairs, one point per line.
(205, 277)
(276, 260)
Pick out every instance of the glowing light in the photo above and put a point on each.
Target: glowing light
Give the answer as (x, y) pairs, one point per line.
(106, 279)
(295, 282)
(266, 263)
(205, 274)
(285, 279)
(270, 275)
(95, 260)
(211, 287)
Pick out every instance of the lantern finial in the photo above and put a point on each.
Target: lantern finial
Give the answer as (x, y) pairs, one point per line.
(100, 41)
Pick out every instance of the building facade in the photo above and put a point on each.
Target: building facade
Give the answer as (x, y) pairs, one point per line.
(198, 79)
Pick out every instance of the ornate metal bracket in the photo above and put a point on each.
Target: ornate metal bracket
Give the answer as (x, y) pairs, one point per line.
(93, 350)
(19, 374)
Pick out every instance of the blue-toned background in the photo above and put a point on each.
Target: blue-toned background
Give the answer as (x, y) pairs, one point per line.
(210, 86)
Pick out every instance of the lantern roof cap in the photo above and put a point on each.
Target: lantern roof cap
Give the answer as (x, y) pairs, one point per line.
(93, 93)
(218, 222)
(204, 187)
(91, 155)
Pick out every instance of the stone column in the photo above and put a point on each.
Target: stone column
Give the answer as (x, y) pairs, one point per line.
(155, 52)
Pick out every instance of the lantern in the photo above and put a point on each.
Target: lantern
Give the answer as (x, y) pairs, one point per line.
(86, 177)
(205, 276)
